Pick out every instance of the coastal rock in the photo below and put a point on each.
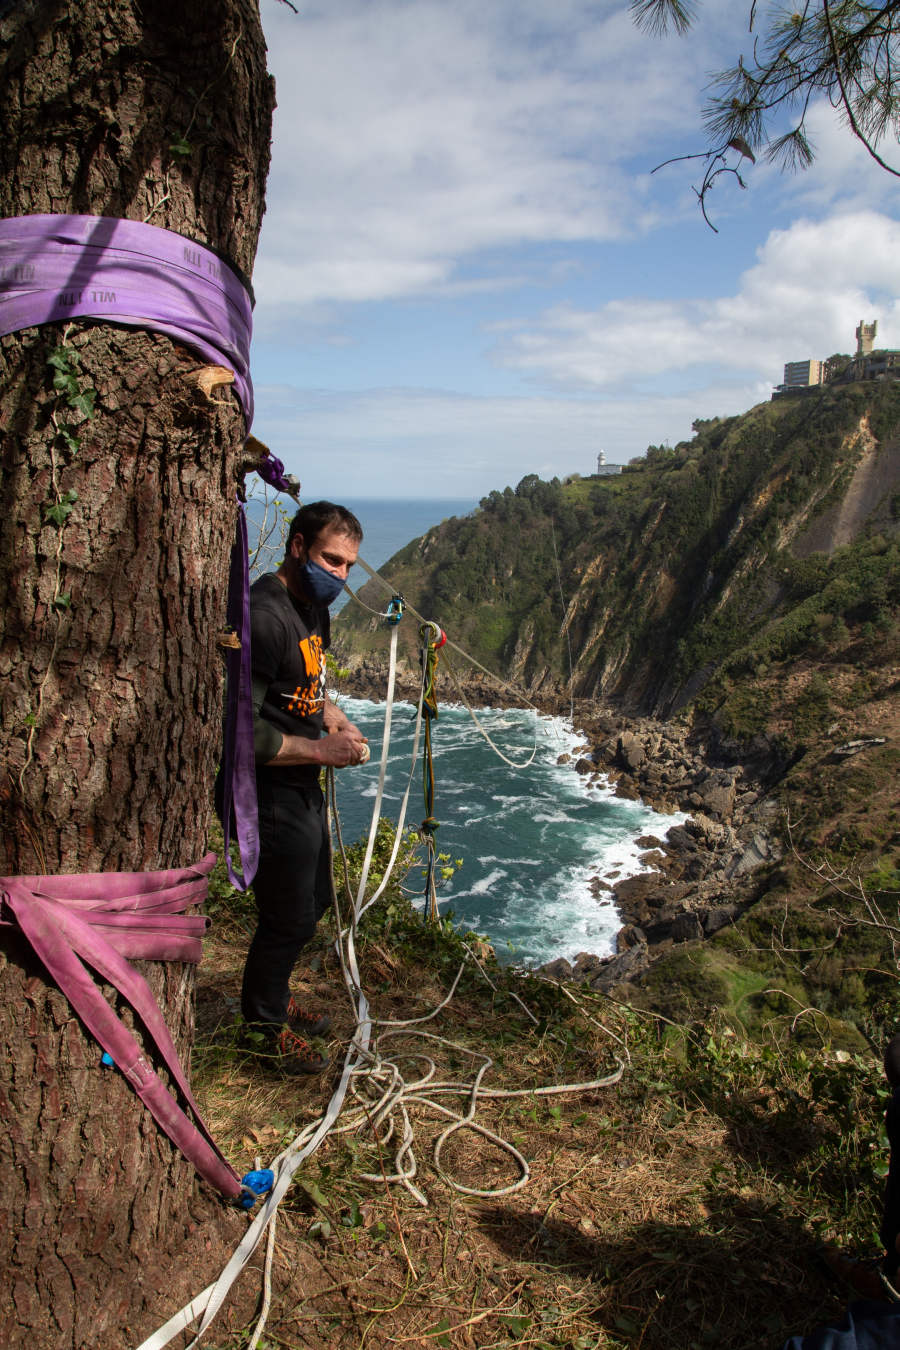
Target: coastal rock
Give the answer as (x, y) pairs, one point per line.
(716, 794)
(655, 858)
(635, 890)
(718, 917)
(586, 966)
(680, 837)
(625, 966)
(630, 753)
(758, 850)
(629, 936)
(684, 927)
(560, 969)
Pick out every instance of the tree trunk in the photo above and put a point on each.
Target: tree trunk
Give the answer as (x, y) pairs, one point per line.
(113, 560)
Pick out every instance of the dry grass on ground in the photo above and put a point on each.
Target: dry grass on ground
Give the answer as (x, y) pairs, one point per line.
(657, 1215)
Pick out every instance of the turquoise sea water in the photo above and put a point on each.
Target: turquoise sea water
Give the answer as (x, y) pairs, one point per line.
(531, 838)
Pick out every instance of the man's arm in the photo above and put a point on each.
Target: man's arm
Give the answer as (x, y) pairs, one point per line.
(338, 749)
(343, 746)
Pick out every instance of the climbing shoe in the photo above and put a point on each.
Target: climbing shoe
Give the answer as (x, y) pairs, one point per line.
(306, 1022)
(291, 1055)
(281, 1049)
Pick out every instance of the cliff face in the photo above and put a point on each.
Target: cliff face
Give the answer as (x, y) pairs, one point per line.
(696, 572)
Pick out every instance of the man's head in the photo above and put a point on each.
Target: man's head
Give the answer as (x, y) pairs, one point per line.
(323, 543)
(314, 517)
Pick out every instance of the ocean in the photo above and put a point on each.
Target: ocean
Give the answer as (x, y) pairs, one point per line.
(531, 839)
(540, 845)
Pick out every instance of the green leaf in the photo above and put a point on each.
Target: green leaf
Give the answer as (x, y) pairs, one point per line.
(64, 358)
(62, 601)
(83, 402)
(58, 512)
(64, 382)
(181, 147)
(314, 1193)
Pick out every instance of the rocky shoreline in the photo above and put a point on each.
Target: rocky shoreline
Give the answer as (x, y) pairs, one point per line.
(704, 873)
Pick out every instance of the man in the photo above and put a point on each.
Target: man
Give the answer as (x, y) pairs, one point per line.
(290, 631)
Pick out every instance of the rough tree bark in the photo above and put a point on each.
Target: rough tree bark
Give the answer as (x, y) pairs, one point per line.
(110, 677)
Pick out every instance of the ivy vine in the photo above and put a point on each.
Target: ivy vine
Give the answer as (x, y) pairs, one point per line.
(73, 406)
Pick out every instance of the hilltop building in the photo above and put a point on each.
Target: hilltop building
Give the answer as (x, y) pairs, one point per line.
(604, 469)
(804, 377)
(801, 374)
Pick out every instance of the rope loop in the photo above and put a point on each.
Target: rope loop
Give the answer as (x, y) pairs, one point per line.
(432, 633)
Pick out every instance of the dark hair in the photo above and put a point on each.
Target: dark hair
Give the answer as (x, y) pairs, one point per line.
(315, 517)
(892, 1061)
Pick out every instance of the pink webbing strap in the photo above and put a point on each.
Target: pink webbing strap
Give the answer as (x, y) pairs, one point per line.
(99, 919)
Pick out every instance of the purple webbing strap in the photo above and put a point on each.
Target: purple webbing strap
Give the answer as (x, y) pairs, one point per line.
(238, 758)
(238, 761)
(98, 919)
(55, 268)
(271, 470)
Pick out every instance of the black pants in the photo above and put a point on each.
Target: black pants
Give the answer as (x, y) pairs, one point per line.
(292, 888)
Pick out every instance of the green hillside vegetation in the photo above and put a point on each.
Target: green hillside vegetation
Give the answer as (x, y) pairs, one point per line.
(686, 573)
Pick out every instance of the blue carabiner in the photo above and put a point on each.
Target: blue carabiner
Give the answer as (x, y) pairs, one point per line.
(395, 609)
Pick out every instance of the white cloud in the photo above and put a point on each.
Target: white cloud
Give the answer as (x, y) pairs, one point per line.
(435, 443)
(811, 285)
(408, 136)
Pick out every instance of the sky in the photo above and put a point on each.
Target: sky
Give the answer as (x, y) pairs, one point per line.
(469, 272)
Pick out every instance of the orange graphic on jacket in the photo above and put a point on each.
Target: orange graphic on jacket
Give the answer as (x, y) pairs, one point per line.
(309, 697)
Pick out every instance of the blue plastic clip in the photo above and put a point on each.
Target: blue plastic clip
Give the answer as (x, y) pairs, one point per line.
(107, 1060)
(395, 609)
(255, 1184)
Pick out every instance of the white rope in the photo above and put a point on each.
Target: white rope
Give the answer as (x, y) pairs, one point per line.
(513, 764)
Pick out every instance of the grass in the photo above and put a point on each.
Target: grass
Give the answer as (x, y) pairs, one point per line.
(680, 1207)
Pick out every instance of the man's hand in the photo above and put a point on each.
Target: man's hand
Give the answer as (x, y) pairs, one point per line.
(341, 748)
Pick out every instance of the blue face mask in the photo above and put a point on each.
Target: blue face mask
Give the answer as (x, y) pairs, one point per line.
(321, 585)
